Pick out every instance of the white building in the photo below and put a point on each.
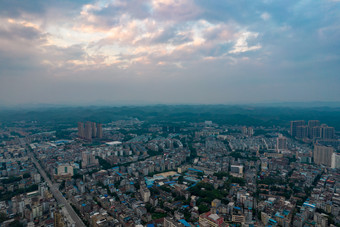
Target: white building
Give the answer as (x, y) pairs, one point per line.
(335, 161)
(64, 169)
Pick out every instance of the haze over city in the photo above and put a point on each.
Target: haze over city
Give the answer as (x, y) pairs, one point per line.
(169, 113)
(169, 51)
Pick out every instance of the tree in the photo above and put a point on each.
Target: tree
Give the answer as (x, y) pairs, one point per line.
(202, 208)
(16, 223)
(180, 179)
(3, 217)
(220, 175)
(62, 185)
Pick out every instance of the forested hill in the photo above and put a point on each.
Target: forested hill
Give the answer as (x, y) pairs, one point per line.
(221, 114)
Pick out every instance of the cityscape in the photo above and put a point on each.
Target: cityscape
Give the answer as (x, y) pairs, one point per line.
(136, 172)
(169, 113)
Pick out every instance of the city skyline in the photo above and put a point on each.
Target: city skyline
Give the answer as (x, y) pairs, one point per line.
(148, 172)
(169, 51)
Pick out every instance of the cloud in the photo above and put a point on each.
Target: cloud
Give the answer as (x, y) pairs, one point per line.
(26, 47)
(176, 10)
(241, 44)
(132, 43)
(122, 33)
(265, 16)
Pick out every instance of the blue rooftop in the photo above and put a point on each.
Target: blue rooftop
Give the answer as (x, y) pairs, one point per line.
(191, 186)
(196, 170)
(272, 220)
(278, 215)
(285, 212)
(184, 222)
(309, 205)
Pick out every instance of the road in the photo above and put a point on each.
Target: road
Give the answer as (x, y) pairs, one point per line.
(57, 194)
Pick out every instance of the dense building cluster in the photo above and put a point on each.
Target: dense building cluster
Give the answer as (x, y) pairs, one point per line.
(90, 131)
(135, 173)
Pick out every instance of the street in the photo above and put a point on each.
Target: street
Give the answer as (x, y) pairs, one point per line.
(57, 194)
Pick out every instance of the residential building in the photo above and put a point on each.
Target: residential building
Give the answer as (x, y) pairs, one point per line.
(323, 155)
(294, 125)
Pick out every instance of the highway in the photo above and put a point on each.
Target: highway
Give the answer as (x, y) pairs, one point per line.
(57, 194)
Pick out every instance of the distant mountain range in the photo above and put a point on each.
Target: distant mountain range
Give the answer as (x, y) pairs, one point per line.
(250, 115)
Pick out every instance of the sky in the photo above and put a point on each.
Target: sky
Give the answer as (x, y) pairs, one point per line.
(169, 51)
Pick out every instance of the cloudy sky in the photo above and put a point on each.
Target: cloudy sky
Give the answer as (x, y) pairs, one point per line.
(169, 51)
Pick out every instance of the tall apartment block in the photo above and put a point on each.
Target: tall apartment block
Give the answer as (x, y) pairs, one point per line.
(294, 125)
(88, 160)
(81, 133)
(91, 130)
(323, 155)
(316, 132)
(247, 131)
(302, 131)
(94, 129)
(88, 130)
(99, 130)
(281, 143)
(336, 161)
(312, 124)
(327, 132)
(313, 130)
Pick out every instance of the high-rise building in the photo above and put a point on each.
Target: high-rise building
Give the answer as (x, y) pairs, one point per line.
(94, 129)
(91, 130)
(99, 130)
(88, 130)
(301, 131)
(294, 125)
(88, 160)
(335, 161)
(327, 132)
(81, 129)
(250, 131)
(316, 132)
(281, 143)
(323, 155)
(244, 130)
(145, 193)
(311, 125)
